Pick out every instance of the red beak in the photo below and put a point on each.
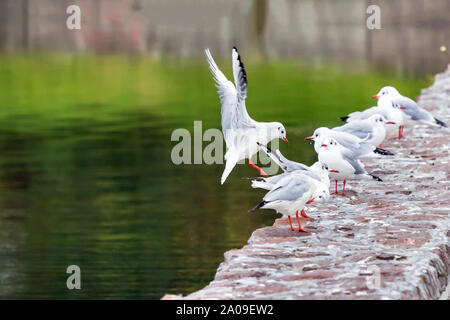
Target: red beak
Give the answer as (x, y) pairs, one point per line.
(310, 201)
(335, 171)
(309, 138)
(402, 108)
(285, 139)
(375, 96)
(324, 145)
(390, 122)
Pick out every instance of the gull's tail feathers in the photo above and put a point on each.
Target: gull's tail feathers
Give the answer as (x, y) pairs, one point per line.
(383, 152)
(232, 159)
(439, 122)
(258, 206)
(375, 177)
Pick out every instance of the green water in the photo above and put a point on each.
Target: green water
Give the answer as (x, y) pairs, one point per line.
(86, 176)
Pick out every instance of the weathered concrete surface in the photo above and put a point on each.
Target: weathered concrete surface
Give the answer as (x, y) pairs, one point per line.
(399, 229)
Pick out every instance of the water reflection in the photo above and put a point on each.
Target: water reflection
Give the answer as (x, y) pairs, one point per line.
(86, 178)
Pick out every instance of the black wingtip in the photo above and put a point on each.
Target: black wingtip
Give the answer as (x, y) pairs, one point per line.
(253, 179)
(439, 122)
(241, 64)
(261, 204)
(383, 152)
(262, 145)
(344, 119)
(375, 178)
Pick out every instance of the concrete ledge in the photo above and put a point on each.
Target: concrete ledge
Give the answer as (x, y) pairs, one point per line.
(387, 240)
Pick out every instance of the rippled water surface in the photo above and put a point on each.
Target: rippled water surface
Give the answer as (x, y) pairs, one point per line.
(86, 176)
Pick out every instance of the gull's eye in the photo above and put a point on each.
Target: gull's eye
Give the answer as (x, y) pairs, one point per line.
(282, 131)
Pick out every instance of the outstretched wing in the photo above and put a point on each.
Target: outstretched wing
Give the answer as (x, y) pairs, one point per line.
(232, 102)
(240, 79)
(285, 164)
(228, 97)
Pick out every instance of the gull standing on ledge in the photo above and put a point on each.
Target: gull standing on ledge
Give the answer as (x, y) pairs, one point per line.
(359, 147)
(291, 194)
(388, 109)
(372, 129)
(411, 110)
(343, 163)
(241, 132)
(317, 170)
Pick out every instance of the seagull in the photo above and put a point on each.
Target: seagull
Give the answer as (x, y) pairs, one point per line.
(359, 147)
(372, 129)
(388, 109)
(317, 170)
(240, 131)
(291, 194)
(411, 110)
(343, 162)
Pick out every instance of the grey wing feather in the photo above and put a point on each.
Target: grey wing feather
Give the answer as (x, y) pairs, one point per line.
(240, 79)
(312, 175)
(289, 164)
(285, 164)
(412, 110)
(363, 114)
(357, 129)
(359, 148)
(349, 157)
(288, 188)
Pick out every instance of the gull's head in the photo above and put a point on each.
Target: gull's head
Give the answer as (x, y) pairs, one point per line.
(385, 101)
(319, 167)
(318, 133)
(281, 131)
(329, 144)
(321, 194)
(396, 106)
(388, 90)
(377, 120)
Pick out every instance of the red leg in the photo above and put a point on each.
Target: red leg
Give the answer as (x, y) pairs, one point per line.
(290, 223)
(299, 226)
(261, 171)
(335, 189)
(304, 215)
(343, 189)
(380, 146)
(400, 132)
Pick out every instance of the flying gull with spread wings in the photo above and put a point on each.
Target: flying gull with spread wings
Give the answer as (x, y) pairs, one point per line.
(241, 132)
